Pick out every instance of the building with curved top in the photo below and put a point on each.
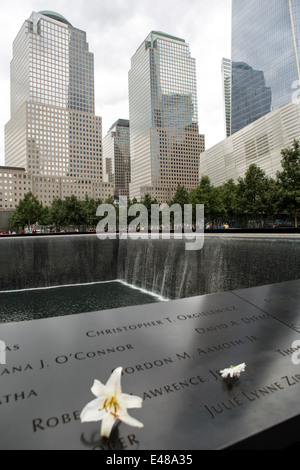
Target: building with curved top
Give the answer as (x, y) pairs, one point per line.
(53, 132)
(55, 16)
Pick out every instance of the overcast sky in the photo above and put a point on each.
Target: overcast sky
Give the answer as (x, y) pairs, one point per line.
(115, 29)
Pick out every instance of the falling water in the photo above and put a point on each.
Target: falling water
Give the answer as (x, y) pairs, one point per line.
(225, 263)
(162, 267)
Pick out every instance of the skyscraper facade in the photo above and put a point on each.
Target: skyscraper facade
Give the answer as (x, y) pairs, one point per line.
(226, 76)
(265, 57)
(165, 144)
(53, 132)
(116, 157)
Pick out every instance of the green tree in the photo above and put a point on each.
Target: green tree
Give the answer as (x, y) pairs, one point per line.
(57, 214)
(289, 181)
(148, 202)
(129, 204)
(272, 198)
(74, 211)
(27, 211)
(252, 193)
(90, 206)
(228, 196)
(110, 200)
(17, 219)
(44, 217)
(207, 194)
(181, 197)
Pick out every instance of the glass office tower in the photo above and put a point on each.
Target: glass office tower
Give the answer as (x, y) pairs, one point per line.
(265, 57)
(226, 76)
(165, 144)
(116, 157)
(53, 130)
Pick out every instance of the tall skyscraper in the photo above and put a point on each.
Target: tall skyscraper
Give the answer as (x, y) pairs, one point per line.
(53, 131)
(165, 144)
(226, 76)
(265, 57)
(116, 157)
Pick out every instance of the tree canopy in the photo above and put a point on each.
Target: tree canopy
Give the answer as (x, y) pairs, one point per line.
(28, 211)
(289, 181)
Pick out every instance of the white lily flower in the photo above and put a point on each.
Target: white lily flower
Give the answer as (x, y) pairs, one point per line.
(111, 404)
(233, 371)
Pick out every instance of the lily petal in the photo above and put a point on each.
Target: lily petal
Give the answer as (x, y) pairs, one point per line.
(131, 401)
(107, 425)
(98, 389)
(125, 418)
(114, 381)
(93, 411)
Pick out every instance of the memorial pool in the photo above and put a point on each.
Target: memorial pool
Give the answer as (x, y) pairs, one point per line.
(32, 304)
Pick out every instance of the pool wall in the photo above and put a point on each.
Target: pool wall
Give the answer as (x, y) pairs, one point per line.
(161, 266)
(52, 261)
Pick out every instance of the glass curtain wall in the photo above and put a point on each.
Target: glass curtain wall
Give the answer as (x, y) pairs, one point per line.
(265, 57)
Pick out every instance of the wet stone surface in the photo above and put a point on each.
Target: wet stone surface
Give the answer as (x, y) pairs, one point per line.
(171, 354)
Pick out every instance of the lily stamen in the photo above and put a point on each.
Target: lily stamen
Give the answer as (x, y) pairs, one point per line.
(111, 404)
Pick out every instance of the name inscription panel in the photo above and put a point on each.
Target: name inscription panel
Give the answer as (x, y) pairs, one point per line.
(282, 301)
(171, 354)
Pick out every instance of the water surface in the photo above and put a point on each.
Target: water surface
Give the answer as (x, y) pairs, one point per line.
(69, 300)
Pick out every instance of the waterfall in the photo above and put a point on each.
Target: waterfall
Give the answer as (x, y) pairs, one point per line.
(160, 266)
(225, 263)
